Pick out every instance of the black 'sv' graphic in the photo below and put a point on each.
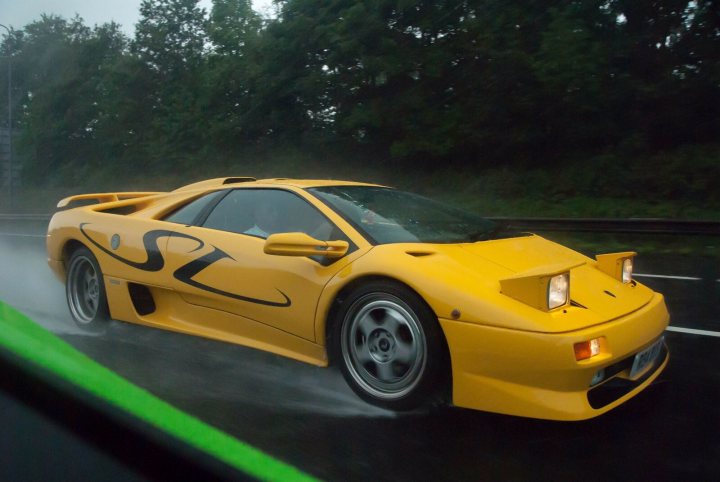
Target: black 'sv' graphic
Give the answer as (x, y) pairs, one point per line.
(156, 262)
(186, 272)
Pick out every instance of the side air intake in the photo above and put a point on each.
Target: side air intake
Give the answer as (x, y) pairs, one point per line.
(142, 299)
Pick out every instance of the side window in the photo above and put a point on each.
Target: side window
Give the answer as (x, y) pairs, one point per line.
(262, 212)
(188, 213)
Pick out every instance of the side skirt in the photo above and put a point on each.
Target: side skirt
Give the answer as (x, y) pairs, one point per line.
(173, 313)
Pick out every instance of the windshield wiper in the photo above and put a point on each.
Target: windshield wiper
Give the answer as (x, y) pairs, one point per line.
(487, 234)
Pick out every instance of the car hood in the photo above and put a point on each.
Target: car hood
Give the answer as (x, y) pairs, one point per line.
(465, 279)
(516, 254)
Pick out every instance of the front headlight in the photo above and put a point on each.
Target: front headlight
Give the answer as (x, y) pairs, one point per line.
(617, 265)
(558, 290)
(627, 268)
(544, 288)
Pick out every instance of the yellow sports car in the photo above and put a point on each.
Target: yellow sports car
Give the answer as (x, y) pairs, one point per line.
(417, 302)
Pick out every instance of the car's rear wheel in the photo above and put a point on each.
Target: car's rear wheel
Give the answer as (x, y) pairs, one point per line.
(390, 347)
(85, 290)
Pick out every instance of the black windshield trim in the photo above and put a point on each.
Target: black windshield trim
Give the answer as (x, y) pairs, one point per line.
(493, 232)
(363, 233)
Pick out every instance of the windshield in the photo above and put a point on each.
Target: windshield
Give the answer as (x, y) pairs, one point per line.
(386, 215)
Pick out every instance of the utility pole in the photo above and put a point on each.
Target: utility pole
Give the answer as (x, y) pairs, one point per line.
(10, 126)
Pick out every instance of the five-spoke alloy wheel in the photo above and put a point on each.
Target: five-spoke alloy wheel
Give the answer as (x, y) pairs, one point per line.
(85, 290)
(390, 347)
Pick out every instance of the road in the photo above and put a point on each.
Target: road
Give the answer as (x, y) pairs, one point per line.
(308, 417)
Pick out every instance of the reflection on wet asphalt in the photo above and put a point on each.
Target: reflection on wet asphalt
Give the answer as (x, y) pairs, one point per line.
(307, 416)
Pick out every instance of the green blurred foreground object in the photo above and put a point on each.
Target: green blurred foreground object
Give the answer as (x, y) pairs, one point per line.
(41, 349)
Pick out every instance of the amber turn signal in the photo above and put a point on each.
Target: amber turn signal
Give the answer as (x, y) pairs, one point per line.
(587, 349)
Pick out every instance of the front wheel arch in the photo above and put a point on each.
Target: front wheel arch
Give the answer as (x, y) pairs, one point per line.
(442, 364)
(352, 286)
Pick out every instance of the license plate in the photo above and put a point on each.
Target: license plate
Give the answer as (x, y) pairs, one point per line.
(645, 358)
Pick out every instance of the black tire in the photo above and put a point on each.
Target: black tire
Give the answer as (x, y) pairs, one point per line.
(390, 347)
(85, 291)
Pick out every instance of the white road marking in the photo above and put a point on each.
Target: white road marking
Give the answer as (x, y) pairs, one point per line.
(23, 235)
(665, 276)
(693, 331)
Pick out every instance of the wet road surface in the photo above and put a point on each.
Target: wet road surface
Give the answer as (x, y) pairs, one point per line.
(307, 416)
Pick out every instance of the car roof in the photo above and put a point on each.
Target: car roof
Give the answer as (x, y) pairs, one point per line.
(305, 183)
(252, 182)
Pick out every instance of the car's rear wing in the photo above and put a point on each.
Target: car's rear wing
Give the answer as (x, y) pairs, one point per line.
(100, 198)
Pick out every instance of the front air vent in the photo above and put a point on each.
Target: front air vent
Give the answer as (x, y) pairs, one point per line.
(616, 388)
(420, 254)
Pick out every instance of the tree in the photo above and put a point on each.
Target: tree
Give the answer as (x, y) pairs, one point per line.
(573, 65)
(59, 71)
(697, 73)
(170, 40)
(427, 83)
(170, 36)
(233, 26)
(234, 29)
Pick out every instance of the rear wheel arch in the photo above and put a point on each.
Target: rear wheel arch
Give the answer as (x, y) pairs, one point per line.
(64, 254)
(69, 248)
(85, 288)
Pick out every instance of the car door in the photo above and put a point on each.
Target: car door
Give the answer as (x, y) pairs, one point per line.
(229, 271)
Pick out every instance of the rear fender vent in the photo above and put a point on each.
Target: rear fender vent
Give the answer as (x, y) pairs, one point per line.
(121, 210)
(142, 299)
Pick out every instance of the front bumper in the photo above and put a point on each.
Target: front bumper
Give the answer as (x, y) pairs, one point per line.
(536, 375)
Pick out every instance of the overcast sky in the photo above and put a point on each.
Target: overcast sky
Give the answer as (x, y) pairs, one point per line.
(18, 13)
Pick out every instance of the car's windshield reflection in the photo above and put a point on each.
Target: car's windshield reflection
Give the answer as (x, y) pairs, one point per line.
(386, 215)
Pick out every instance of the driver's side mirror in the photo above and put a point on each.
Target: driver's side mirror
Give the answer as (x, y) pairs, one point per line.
(300, 244)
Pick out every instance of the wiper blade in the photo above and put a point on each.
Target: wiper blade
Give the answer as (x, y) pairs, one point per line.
(493, 232)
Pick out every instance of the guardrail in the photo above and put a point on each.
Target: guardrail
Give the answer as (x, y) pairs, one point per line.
(632, 225)
(25, 217)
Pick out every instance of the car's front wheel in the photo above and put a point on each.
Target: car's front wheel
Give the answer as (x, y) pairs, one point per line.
(390, 347)
(85, 290)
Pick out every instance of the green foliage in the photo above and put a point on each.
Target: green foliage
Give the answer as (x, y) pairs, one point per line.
(170, 36)
(233, 26)
(587, 99)
(58, 73)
